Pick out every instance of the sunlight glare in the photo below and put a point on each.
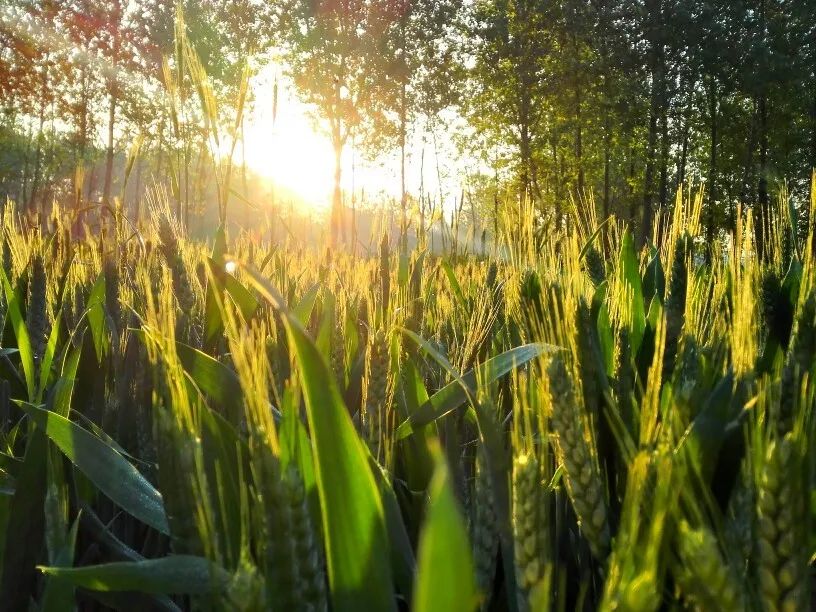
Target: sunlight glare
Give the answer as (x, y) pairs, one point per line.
(287, 149)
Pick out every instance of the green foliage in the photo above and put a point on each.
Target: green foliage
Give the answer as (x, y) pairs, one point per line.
(510, 449)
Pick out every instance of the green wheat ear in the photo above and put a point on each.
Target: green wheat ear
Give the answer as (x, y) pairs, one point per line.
(676, 301)
(529, 528)
(595, 266)
(310, 585)
(781, 558)
(338, 343)
(585, 484)
(704, 576)
(37, 322)
(798, 361)
(483, 529)
(376, 404)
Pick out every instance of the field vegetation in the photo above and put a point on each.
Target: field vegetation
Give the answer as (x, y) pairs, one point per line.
(520, 398)
(241, 426)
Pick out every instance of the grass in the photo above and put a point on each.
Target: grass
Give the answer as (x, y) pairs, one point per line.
(580, 424)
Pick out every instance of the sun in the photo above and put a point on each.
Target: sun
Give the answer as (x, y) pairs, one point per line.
(286, 148)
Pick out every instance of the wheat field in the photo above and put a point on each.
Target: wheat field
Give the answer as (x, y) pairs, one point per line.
(567, 424)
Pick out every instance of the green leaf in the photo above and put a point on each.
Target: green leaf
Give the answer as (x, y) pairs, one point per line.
(455, 393)
(223, 452)
(219, 245)
(214, 379)
(445, 580)
(174, 574)
(59, 594)
(21, 334)
(303, 309)
(220, 280)
(353, 517)
(96, 317)
(412, 393)
(403, 269)
(654, 279)
(213, 320)
(118, 551)
(630, 277)
(454, 283)
(357, 548)
(64, 387)
(105, 467)
(48, 358)
(402, 554)
(246, 302)
(25, 527)
(793, 220)
(591, 239)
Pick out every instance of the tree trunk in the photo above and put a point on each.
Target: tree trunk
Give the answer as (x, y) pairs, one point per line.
(663, 189)
(680, 183)
(579, 148)
(23, 196)
(337, 212)
(558, 184)
(524, 152)
(579, 144)
(745, 187)
(812, 143)
(137, 198)
(106, 190)
(403, 194)
(631, 182)
(656, 98)
(607, 162)
(712, 168)
(35, 185)
(183, 214)
(648, 179)
(763, 203)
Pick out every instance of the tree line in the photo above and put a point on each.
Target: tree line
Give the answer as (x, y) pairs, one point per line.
(611, 104)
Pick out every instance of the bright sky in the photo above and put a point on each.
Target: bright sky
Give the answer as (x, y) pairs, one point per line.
(298, 157)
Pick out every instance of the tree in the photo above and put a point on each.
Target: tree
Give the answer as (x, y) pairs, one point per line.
(507, 96)
(336, 51)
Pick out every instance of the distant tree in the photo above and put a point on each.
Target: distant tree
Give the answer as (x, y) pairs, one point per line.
(336, 51)
(511, 43)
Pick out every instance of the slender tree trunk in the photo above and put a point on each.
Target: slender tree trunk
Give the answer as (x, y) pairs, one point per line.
(91, 184)
(403, 194)
(631, 182)
(558, 183)
(763, 207)
(137, 198)
(524, 152)
(579, 145)
(337, 212)
(106, 190)
(160, 154)
(712, 167)
(607, 145)
(745, 187)
(681, 170)
(663, 189)
(184, 212)
(648, 180)
(26, 168)
(656, 98)
(35, 185)
(812, 142)
(763, 202)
